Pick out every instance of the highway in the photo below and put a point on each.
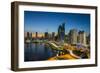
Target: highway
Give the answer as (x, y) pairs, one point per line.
(70, 51)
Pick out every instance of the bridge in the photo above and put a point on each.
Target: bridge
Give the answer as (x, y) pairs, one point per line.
(61, 51)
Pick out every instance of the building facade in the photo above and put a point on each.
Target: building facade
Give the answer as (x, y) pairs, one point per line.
(73, 36)
(82, 37)
(61, 32)
(46, 35)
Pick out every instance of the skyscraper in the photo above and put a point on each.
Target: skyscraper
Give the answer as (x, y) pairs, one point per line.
(25, 34)
(88, 39)
(53, 35)
(28, 35)
(36, 34)
(63, 28)
(73, 36)
(46, 35)
(61, 32)
(82, 37)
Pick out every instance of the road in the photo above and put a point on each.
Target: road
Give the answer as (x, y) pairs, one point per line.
(70, 51)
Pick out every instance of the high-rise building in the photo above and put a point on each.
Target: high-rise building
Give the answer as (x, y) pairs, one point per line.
(88, 39)
(73, 36)
(82, 37)
(36, 34)
(61, 32)
(28, 34)
(53, 35)
(25, 34)
(63, 28)
(46, 35)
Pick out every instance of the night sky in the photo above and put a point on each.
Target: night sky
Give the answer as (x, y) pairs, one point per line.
(49, 21)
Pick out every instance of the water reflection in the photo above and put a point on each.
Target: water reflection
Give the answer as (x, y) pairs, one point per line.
(37, 52)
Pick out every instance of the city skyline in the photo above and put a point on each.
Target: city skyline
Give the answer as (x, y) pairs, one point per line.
(56, 36)
(49, 21)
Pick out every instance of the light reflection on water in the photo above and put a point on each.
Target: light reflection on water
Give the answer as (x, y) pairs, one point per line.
(37, 52)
